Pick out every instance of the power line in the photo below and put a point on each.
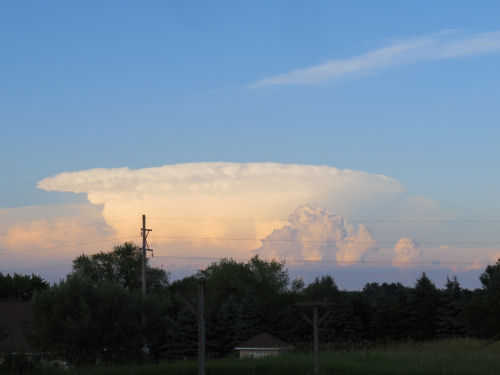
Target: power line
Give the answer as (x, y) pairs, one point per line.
(374, 242)
(333, 219)
(38, 268)
(65, 245)
(301, 260)
(289, 261)
(63, 227)
(355, 221)
(347, 241)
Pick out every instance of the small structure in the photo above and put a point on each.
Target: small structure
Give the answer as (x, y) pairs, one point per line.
(263, 345)
(15, 326)
(15, 331)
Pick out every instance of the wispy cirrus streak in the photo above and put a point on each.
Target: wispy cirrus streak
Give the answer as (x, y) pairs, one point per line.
(440, 46)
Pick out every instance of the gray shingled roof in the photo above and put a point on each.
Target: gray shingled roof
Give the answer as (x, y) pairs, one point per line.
(263, 340)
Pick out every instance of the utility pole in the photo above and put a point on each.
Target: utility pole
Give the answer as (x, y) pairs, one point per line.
(200, 311)
(316, 339)
(201, 328)
(315, 323)
(144, 233)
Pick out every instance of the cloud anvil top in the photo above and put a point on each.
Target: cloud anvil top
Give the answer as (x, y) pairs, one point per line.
(251, 190)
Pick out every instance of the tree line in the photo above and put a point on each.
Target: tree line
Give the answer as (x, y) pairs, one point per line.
(97, 314)
(20, 287)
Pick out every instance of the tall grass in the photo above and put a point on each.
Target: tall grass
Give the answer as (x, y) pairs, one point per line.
(457, 357)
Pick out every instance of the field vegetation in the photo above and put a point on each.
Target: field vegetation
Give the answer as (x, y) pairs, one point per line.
(457, 357)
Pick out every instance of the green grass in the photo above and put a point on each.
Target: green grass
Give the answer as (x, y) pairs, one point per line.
(457, 357)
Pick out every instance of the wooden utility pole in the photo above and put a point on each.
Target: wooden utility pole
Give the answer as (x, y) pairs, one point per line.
(144, 233)
(316, 339)
(200, 311)
(315, 323)
(201, 327)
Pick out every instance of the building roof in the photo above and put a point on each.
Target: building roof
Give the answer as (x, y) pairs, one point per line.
(15, 324)
(263, 341)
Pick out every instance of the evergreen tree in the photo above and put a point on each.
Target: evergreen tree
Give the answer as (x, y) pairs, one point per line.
(20, 287)
(449, 314)
(222, 328)
(387, 311)
(422, 309)
(321, 289)
(182, 336)
(250, 322)
(158, 322)
(483, 310)
(342, 325)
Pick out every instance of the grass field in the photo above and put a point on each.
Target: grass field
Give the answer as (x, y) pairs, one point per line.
(457, 357)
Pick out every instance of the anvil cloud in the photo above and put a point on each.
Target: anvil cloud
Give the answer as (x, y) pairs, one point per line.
(200, 201)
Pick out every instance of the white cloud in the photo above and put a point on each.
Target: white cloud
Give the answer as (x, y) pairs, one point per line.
(200, 212)
(477, 265)
(316, 235)
(40, 235)
(210, 210)
(406, 252)
(204, 194)
(355, 246)
(439, 46)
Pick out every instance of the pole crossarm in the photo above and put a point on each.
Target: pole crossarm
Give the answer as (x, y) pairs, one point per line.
(315, 322)
(306, 318)
(319, 303)
(185, 298)
(220, 300)
(192, 305)
(200, 311)
(144, 233)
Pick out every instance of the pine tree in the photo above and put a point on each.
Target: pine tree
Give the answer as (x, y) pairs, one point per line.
(422, 309)
(182, 337)
(222, 328)
(483, 310)
(450, 309)
(388, 317)
(250, 322)
(342, 325)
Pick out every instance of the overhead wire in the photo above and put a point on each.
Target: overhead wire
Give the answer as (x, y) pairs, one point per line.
(37, 268)
(333, 219)
(374, 242)
(54, 227)
(289, 261)
(302, 260)
(379, 243)
(221, 238)
(328, 241)
(65, 245)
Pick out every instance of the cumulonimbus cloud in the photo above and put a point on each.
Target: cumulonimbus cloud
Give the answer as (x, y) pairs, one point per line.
(215, 200)
(440, 46)
(203, 211)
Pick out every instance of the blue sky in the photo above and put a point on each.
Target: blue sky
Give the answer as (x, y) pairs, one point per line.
(144, 84)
